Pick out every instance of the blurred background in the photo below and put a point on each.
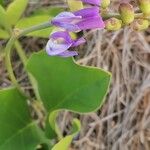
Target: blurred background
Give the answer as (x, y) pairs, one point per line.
(123, 122)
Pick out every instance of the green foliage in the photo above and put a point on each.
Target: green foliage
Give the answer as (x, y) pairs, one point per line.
(17, 130)
(39, 16)
(66, 85)
(64, 143)
(34, 20)
(12, 17)
(3, 17)
(51, 11)
(3, 34)
(54, 129)
(1, 2)
(62, 84)
(15, 10)
(80, 89)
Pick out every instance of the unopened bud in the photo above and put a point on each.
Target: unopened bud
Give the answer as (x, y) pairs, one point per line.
(75, 5)
(127, 13)
(144, 6)
(140, 24)
(105, 3)
(113, 24)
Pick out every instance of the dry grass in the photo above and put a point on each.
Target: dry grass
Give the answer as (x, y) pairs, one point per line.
(124, 120)
(123, 123)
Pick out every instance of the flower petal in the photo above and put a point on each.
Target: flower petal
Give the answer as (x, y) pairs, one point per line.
(66, 17)
(67, 21)
(88, 12)
(60, 42)
(62, 34)
(68, 26)
(91, 23)
(53, 48)
(78, 42)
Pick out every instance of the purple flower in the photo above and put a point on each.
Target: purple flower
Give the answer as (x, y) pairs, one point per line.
(94, 2)
(60, 42)
(83, 19)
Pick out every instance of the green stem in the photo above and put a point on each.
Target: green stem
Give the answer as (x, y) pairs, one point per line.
(24, 60)
(9, 47)
(34, 28)
(106, 16)
(8, 64)
(21, 52)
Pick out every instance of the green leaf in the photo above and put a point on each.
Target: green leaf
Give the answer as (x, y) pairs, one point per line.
(1, 2)
(15, 10)
(3, 34)
(34, 20)
(53, 123)
(64, 143)
(3, 17)
(17, 130)
(51, 11)
(63, 84)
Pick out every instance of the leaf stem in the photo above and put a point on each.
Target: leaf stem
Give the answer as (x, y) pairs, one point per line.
(20, 52)
(24, 61)
(9, 66)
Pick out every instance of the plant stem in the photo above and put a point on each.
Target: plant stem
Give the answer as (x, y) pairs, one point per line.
(20, 51)
(9, 66)
(8, 62)
(106, 15)
(24, 61)
(34, 28)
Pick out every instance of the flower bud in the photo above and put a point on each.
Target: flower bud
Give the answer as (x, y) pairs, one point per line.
(144, 5)
(140, 24)
(75, 5)
(127, 13)
(105, 3)
(113, 24)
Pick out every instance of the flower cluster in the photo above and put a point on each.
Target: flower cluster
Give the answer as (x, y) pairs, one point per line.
(86, 18)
